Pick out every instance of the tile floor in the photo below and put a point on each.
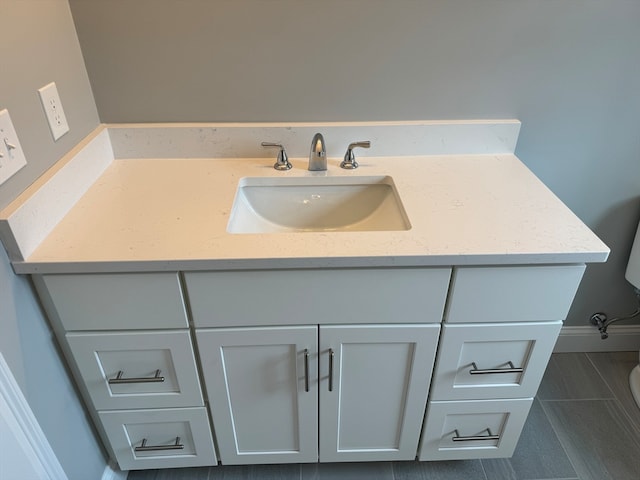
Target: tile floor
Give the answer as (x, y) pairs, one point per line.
(583, 425)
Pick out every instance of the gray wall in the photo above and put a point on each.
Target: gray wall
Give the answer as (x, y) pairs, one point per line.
(568, 69)
(38, 44)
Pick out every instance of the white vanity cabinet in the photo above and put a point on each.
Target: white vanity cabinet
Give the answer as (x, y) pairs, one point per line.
(353, 348)
(361, 388)
(500, 328)
(127, 340)
(307, 365)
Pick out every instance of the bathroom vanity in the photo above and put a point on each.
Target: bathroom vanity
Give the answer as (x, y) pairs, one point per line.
(193, 345)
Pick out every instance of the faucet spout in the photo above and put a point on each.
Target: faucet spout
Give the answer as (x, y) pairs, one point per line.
(317, 154)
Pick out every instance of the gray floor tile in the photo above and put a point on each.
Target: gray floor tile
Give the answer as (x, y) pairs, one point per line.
(597, 438)
(348, 471)
(196, 473)
(499, 469)
(572, 376)
(200, 473)
(448, 470)
(614, 367)
(142, 474)
(256, 472)
(539, 454)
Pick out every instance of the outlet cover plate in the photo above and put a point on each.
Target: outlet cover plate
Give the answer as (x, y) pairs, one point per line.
(11, 155)
(53, 110)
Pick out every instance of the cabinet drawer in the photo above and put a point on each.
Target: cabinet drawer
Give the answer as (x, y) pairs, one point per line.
(138, 355)
(162, 431)
(512, 294)
(494, 360)
(114, 301)
(473, 429)
(295, 297)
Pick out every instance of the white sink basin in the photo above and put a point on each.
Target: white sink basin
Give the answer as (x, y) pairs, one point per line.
(311, 204)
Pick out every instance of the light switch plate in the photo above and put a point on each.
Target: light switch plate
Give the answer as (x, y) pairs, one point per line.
(11, 154)
(53, 110)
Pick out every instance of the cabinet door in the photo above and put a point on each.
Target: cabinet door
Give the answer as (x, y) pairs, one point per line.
(374, 382)
(262, 385)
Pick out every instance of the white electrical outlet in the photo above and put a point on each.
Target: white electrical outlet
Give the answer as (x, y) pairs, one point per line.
(53, 109)
(11, 154)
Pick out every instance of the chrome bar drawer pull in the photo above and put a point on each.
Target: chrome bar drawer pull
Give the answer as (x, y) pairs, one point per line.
(331, 355)
(470, 438)
(155, 448)
(118, 380)
(487, 371)
(306, 369)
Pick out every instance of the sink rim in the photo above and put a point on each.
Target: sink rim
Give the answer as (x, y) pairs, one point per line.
(399, 220)
(315, 180)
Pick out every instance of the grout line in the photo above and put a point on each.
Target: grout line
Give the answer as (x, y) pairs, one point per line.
(630, 416)
(555, 431)
(484, 472)
(633, 431)
(602, 377)
(589, 363)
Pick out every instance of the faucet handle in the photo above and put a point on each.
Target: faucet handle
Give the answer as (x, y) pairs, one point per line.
(349, 161)
(282, 163)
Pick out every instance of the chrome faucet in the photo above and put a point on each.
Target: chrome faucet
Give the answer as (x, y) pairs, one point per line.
(349, 161)
(317, 154)
(282, 163)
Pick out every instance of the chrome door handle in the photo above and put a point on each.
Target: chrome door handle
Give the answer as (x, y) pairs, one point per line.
(118, 380)
(331, 356)
(487, 371)
(306, 369)
(470, 438)
(156, 448)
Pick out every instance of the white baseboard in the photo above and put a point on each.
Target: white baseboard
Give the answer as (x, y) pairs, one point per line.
(111, 472)
(587, 339)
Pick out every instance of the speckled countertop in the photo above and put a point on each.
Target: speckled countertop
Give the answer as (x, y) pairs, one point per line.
(155, 214)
